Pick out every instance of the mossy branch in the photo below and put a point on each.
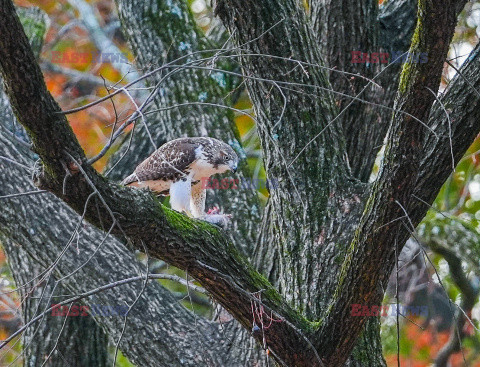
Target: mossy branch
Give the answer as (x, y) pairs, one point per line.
(386, 224)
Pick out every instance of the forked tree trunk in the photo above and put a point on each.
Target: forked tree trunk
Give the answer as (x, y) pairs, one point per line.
(328, 238)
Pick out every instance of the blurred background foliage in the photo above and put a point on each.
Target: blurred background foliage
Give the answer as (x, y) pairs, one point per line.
(426, 273)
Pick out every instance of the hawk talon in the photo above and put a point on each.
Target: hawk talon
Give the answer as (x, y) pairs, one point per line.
(214, 210)
(220, 220)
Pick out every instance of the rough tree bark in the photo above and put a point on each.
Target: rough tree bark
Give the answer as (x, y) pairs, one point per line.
(337, 246)
(343, 27)
(174, 336)
(74, 341)
(148, 43)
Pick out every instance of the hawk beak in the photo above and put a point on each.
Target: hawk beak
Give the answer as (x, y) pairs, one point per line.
(234, 169)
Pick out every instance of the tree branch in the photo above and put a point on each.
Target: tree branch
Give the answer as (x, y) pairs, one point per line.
(64, 342)
(371, 256)
(461, 100)
(469, 298)
(100, 260)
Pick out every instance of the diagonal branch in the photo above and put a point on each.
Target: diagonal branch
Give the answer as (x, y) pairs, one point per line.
(461, 100)
(24, 268)
(99, 259)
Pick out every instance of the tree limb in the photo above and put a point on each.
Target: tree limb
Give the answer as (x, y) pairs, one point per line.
(372, 252)
(50, 225)
(469, 298)
(64, 342)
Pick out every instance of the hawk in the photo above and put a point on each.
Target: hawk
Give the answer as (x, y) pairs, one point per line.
(178, 167)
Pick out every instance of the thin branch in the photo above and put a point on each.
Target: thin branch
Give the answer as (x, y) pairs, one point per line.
(92, 292)
(28, 193)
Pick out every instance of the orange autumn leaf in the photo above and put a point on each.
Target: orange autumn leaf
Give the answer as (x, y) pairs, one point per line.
(424, 340)
(55, 83)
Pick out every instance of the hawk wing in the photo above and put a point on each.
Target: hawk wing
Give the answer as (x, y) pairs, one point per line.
(170, 162)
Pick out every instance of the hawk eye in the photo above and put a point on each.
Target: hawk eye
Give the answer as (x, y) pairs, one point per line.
(226, 158)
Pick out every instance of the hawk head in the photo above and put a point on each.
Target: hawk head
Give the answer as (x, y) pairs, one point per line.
(223, 158)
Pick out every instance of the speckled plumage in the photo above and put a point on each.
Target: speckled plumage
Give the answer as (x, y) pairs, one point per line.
(177, 167)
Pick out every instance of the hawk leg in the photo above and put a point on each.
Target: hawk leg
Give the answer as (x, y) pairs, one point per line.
(197, 201)
(180, 193)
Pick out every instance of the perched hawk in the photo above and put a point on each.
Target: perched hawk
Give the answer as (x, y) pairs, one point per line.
(177, 168)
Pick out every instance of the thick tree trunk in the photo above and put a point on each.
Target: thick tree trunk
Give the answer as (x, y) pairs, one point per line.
(328, 239)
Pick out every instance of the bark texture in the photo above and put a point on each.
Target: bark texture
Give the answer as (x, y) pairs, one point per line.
(328, 238)
(344, 27)
(75, 259)
(100, 260)
(57, 341)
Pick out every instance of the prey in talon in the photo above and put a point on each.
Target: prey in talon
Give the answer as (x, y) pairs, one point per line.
(177, 169)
